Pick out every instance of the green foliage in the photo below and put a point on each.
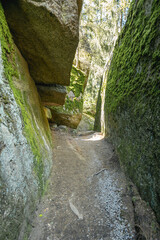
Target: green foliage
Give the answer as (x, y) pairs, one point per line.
(133, 99)
(73, 104)
(77, 81)
(101, 22)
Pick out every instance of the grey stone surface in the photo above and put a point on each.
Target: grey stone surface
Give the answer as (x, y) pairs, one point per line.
(52, 94)
(62, 118)
(16, 158)
(46, 32)
(19, 183)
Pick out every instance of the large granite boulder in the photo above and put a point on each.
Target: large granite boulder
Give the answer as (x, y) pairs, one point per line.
(62, 118)
(25, 141)
(46, 32)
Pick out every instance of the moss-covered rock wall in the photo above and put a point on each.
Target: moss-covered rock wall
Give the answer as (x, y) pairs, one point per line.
(25, 141)
(133, 99)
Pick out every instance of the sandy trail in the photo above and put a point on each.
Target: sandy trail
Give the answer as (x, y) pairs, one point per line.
(87, 197)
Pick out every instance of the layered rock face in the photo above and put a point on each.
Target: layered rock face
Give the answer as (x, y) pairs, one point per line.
(133, 99)
(71, 113)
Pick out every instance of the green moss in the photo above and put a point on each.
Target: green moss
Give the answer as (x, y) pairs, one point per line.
(127, 75)
(133, 100)
(77, 81)
(35, 128)
(34, 138)
(74, 105)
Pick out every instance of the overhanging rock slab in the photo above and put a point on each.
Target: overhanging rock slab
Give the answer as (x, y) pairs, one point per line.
(46, 32)
(52, 95)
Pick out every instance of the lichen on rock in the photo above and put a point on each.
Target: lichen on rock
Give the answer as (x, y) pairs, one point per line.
(25, 140)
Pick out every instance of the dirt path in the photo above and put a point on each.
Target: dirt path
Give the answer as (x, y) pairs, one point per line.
(87, 195)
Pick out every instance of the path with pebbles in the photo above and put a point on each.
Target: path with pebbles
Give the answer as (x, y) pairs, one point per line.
(87, 197)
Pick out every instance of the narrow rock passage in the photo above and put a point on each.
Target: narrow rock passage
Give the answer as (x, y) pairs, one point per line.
(87, 197)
